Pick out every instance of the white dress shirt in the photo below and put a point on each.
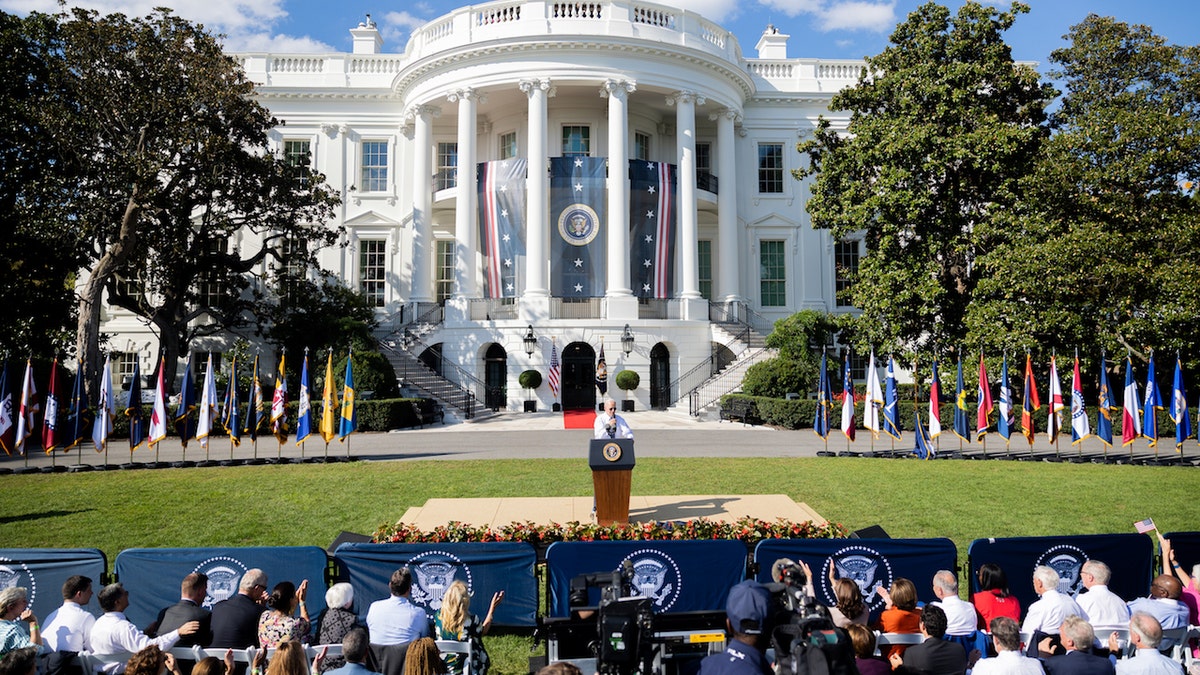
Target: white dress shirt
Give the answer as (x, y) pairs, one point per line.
(113, 633)
(1104, 608)
(961, 618)
(68, 629)
(1047, 613)
(1008, 663)
(621, 429)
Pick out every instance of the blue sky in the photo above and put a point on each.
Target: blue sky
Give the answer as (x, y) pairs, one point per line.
(818, 28)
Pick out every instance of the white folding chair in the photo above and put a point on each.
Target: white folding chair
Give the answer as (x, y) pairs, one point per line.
(463, 648)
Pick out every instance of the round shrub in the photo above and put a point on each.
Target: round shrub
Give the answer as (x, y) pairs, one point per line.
(530, 379)
(628, 380)
(779, 376)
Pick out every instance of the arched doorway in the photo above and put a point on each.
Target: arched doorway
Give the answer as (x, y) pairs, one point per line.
(495, 377)
(660, 377)
(579, 377)
(432, 358)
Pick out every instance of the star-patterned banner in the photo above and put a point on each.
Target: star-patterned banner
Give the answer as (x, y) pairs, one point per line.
(577, 208)
(652, 191)
(502, 226)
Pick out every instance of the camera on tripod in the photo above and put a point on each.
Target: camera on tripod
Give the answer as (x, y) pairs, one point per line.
(624, 623)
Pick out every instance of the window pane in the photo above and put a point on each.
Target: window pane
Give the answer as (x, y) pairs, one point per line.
(508, 145)
(447, 171)
(374, 166)
(641, 146)
(845, 265)
(372, 266)
(704, 250)
(445, 269)
(576, 141)
(770, 167)
(298, 156)
(772, 274)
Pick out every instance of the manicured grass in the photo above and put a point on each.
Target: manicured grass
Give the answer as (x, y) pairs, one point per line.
(310, 504)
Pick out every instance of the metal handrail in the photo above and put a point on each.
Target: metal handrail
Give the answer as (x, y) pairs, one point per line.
(458, 396)
(461, 376)
(685, 381)
(701, 397)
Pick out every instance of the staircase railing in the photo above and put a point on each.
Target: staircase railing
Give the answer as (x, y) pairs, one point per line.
(711, 390)
(461, 378)
(411, 369)
(748, 322)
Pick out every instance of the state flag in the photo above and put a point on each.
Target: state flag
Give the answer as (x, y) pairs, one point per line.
(891, 407)
(983, 410)
(1131, 420)
(935, 404)
(1179, 408)
(206, 421)
(1105, 405)
(1031, 404)
(158, 413)
(873, 400)
(1152, 403)
(1006, 418)
(962, 420)
(1054, 399)
(27, 413)
(822, 418)
(1080, 426)
(106, 407)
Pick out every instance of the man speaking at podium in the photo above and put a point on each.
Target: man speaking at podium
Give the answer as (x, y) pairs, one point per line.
(609, 424)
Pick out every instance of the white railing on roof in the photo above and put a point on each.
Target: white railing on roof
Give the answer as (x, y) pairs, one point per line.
(375, 65)
(491, 14)
(298, 64)
(654, 16)
(839, 71)
(577, 10)
(772, 70)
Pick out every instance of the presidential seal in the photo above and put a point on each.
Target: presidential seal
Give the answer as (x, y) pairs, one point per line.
(1067, 560)
(865, 566)
(612, 451)
(655, 576)
(224, 573)
(433, 572)
(14, 573)
(578, 224)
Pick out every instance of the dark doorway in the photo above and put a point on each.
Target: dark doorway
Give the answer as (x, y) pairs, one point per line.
(495, 377)
(660, 377)
(579, 377)
(432, 358)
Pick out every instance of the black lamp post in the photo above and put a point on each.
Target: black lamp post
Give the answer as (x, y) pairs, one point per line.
(627, 340)
(530, 341)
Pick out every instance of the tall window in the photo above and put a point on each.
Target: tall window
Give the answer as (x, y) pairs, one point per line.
(641, 146)
(372, 265)
(298, 156)
(858, 365)
(210, 287)
(374, 166)
(130, 284)
(704, 250)
(576, 141)
(770, 167)
(445, 269)
(704, 157)
(508, 145)
(772, 273)
(293, 254)
(123, 367)
(447, 165)
(845, 266)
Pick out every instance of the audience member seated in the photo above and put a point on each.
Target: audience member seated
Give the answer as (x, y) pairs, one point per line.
(1077, 637)
(21, 661)
(1145, 635)
(1047, 613)
(355, 647)
(67, 628)
(151, 660)
(211, 665)
(900, 613)
(747, 608)
(1009, 660)
(235, 619)
(396, 620)
(863, 639)
(454, 621)
(1163, 603)
(278, 624)
(18, 624)
(1105, 610)
(934, 656)
(113, 633)
(336, 622)
(993, 598)
(192, 591)
(289, 659)
(961, 618)
(424, 658)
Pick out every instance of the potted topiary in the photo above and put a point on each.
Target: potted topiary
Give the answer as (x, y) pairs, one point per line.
(627, 381)
(530, 380)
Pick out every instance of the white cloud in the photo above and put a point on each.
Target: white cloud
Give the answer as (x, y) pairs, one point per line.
(283, 44)
(852, 15)
(396, 26)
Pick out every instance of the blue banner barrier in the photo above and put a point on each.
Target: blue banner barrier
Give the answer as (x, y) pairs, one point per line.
(681, 576)
(484, 567)
(869, 562)
(1187, 550)
(152, 575)
(1131, 557)
(43, 570)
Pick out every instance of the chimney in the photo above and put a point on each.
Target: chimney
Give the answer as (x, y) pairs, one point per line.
(772, 44)
(366, 38)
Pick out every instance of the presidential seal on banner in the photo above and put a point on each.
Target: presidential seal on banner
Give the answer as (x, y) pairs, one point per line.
(864, 566)
(612, 451)
(1067, 560)
(578, 224)
(655, 576)
(224, 574)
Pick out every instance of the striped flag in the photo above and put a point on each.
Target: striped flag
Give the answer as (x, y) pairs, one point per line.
(1179, 408)
(50, 420)
(106, 407)
(29, 409)
(1104, 406)
(555, 373)
(1006, 417)
(847, 400)
(1031, 403)
(279, 402)
(349, 419)
(891, 407)
(874, 398)
(231, 420)
(653, 187)
(501, 188)
(962, 421)
(922, 446)
(158, 413)
(1152, 404)
(1144, 526)
(1080, 427)
(254, 404)
(329, 404)
(983, 411)
(304, 405)
(1131, 420)
(822, 418)
(935, 405)
(1054, 399)
(207, 421)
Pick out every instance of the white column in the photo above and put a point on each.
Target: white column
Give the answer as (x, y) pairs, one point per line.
(465, 256)
(685, 124)
(422, 187)
(728, 274)
(537, 213)
(618, 92)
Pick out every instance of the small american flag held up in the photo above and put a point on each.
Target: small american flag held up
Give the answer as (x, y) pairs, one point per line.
(1144, 526)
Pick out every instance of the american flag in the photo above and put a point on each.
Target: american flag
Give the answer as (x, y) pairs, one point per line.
(1144, 526)
(554, 374)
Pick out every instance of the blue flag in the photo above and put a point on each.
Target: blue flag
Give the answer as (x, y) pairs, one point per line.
(962, 419)
(254, 405)
(922, 448)
(891, 408)
(230, 418)
(1007, 417)
(78, 415)
(652, 197)
(824, 402)
(1105, 406)
(1152, 403)
(185, 427)
(349, 420)
(304, 406)
(501, 188)
(577, 241)
(133, 409)
(1179, 408)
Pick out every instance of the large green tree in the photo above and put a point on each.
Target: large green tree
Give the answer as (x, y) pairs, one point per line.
(943, 124)
(181, 202)
(1102, 252)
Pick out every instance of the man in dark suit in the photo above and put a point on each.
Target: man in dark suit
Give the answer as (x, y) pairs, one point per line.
(934, 656)
(235, 620)
(192, 592)
(1077, 637)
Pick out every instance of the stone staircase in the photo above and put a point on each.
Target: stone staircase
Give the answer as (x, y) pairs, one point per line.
(417, 379)
(750, 347)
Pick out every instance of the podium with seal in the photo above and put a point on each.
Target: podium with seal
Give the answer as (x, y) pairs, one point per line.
(611, 460)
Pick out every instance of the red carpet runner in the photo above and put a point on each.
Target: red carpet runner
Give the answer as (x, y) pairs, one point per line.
(578, 419)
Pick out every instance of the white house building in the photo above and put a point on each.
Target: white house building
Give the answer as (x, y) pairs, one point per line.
(613, 86)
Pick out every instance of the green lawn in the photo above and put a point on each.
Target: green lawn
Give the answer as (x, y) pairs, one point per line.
(310, 504)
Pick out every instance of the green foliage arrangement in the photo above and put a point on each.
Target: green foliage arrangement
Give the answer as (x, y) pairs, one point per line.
(628, 380)
(779, 376)
(372, 372)
(530, 379)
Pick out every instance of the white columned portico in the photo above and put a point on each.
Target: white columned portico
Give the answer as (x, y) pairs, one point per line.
(535, 300)
(619, 300)
(694, 307)
(728, 274)
(422, 187)
(465, 255)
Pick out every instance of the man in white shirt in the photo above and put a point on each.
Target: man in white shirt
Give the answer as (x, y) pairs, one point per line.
(1145, 634)
(68, 627)
(1048, 612)
(1105, 610)
(609, 424)
(114, 634)
(1008, 660)
(961, 618)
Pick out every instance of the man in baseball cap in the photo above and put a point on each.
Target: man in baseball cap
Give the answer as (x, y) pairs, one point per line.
(746, 612)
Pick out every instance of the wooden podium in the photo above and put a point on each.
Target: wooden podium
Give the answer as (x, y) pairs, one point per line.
(612, 464)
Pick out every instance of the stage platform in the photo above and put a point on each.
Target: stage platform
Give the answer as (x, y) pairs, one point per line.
(546, 510)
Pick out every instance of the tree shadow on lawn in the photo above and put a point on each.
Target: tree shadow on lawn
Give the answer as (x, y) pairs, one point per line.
(39, 515)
